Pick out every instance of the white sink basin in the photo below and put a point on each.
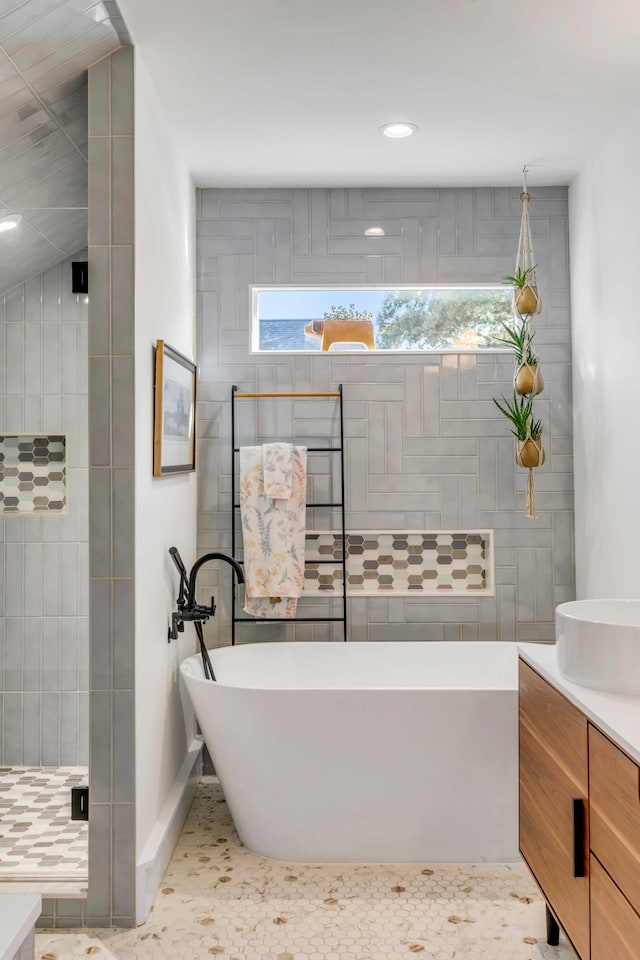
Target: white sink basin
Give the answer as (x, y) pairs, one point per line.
(598, 644)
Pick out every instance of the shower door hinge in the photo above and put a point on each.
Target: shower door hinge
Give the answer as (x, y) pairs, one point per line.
(79, 803)
(79, 276)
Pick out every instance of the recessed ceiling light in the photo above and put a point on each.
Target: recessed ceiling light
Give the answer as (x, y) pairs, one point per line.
(374, 232)
(398, 130)
(10, 222)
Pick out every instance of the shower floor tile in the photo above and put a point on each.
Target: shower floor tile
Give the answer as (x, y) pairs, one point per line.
(220, 899)
(39, 842)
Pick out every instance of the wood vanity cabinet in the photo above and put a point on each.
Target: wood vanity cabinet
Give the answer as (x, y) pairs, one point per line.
(554, 783)
(614, 797)
(579, 822)
(615, 926)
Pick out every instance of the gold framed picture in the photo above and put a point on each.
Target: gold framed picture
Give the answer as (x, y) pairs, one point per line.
(174, 412)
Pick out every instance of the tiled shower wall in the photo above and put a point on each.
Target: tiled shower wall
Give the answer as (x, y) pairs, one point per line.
(44, 580)
(426, 448)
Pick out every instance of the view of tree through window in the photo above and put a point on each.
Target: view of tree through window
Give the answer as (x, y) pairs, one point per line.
(376, 318)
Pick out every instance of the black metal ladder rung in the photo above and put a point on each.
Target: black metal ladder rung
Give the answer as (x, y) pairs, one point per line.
(310, 449)
(310, 506)
(335, 561)
(288, 620)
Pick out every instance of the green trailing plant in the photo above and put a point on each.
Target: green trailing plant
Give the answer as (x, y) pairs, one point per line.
(519, 412)
(346, 313)
(521, 278)
(517, 339)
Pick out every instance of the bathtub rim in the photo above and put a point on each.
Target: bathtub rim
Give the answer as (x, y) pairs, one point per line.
(196, 659)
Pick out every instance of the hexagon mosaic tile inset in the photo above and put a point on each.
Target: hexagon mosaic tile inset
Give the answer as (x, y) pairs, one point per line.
(32, 474)
(407, 562)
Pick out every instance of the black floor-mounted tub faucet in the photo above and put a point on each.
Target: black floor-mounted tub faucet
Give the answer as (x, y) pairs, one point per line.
(188, 610)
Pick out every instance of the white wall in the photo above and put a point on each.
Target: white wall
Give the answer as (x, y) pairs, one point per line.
(165, 508)
(604, 206)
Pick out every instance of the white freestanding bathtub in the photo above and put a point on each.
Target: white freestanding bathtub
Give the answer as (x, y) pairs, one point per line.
(379, 752)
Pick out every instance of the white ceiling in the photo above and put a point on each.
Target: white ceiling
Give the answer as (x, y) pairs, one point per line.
(292, 92)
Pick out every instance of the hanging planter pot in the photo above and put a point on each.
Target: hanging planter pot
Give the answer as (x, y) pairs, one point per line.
(527, 379)
(526, 300)
(530, 453)
(528, 433)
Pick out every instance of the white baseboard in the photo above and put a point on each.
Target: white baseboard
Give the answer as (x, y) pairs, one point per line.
(157, 851)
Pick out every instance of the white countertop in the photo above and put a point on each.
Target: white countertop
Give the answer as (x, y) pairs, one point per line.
(615, 714)
(18, 914)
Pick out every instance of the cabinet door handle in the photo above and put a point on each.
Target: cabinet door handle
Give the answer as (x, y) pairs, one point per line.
(578, 837)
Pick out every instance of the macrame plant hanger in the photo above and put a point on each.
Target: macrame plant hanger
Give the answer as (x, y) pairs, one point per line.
(524, 307)
(527, 378)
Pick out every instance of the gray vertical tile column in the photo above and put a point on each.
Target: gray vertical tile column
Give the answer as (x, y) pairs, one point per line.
(111, 472)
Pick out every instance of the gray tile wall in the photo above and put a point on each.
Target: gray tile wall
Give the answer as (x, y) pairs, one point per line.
(426, 447)
(112, 845)
(44, 581)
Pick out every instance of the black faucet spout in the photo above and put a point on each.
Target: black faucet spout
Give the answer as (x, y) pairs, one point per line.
(193, 576)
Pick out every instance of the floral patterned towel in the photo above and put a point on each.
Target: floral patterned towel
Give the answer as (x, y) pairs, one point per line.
(277, 464)
(274, 537)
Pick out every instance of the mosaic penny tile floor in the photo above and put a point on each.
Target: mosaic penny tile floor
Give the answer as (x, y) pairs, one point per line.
(71, 946)
(219, 899)
(38, 839)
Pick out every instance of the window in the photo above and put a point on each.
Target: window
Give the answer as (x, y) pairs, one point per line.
(308, 319)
